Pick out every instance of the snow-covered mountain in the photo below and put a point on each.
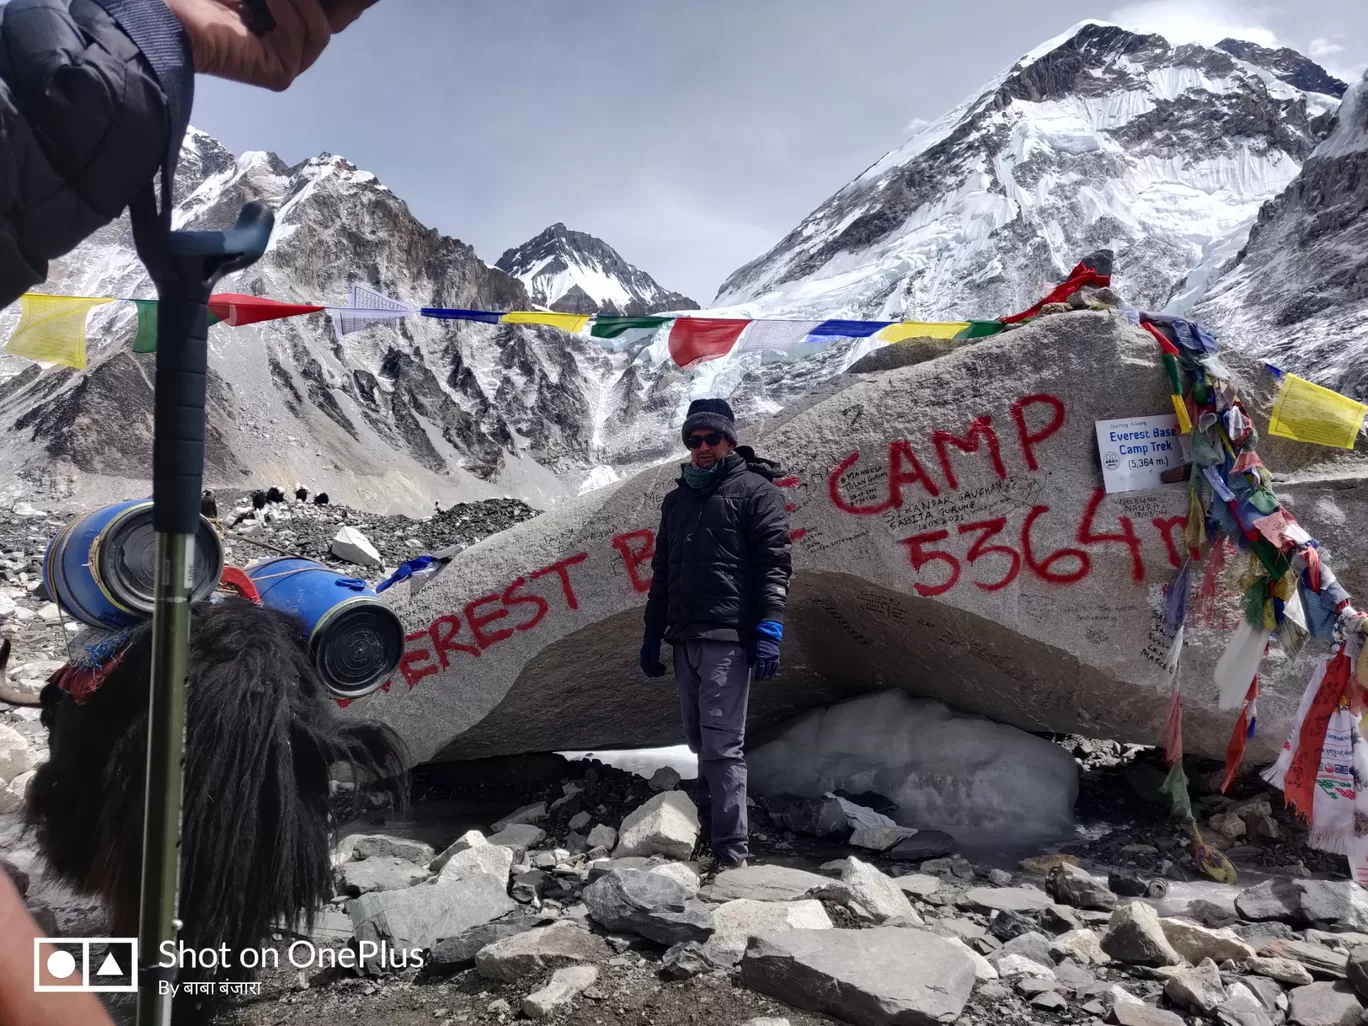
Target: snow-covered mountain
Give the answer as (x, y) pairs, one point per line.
(1298, 294)
(1101, 138)
(574, 272)
(1098, 138)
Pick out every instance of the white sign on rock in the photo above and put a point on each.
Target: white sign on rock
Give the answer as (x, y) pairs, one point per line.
(1138, 451)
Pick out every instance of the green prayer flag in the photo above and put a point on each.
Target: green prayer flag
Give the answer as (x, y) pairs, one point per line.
(1174, 376)
(146, 340)
(1175, 786)
(981, 329)
(612, 327)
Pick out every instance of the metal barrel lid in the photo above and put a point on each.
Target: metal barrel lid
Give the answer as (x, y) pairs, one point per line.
(357, 646)
(128, 559)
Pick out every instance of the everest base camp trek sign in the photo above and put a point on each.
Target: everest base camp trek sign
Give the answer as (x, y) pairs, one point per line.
(952, 536)
(1141, 452)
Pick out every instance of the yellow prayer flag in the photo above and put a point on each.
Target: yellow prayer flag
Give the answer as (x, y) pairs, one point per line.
(904, 330)
(52, 329)
(572, 323)
(1180, 411)
(1307, 412)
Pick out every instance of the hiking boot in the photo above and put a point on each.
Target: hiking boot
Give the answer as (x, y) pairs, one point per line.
(724, 863)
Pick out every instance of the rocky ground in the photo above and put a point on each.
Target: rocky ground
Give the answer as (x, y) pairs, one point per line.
(575, 893)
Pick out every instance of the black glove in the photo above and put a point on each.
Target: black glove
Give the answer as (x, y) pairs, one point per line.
(766, 657)
(650, 657)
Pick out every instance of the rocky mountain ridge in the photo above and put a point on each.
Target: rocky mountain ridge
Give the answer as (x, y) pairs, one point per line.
(574, 272)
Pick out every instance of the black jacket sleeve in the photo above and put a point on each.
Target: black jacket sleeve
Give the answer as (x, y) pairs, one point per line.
(658, 601)
(767, 541)
(84, 125)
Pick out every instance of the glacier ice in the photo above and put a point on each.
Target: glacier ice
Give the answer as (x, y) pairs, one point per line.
(946, 770)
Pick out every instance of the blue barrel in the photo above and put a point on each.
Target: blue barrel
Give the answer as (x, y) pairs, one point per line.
(102, 567)
(355, 638)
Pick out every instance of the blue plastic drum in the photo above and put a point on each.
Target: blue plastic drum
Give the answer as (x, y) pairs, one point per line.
(355, 638)
(102, 567)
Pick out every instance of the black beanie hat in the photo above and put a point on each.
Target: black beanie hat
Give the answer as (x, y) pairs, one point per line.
(710, 415)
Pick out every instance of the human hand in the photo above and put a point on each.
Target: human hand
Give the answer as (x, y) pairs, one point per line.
(225, 46)
(650, 657)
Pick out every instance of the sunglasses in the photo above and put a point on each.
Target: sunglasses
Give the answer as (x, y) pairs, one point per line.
(711, 438)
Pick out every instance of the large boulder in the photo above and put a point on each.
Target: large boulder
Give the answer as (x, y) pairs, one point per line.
(950, 538)
(887, 976)
(415, 918)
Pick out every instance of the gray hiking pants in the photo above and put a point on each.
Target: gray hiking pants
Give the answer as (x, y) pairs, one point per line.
(714, 685)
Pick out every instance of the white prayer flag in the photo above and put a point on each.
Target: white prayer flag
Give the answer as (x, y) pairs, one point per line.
(367, 307)
(762, 335)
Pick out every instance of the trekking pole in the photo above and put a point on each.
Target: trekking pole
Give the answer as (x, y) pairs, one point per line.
(194, 262)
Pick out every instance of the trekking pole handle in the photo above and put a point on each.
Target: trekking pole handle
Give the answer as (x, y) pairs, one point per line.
(199, 260)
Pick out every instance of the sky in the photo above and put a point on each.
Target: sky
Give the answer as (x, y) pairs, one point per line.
(690, 137)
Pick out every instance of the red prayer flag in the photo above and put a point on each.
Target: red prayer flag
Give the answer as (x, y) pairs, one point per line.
(1079, 277)
(695, 339)
(235, 310)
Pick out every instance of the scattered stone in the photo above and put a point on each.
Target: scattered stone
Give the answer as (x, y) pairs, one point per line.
(16, 756)
(1011, 966)
(925, 844)
(519, 838)
(664, 779)
(683, 873)
(1084, 945)
(1243, 1007)
(499, 1007)
(1007, 899)
(963, 929)
(1135, 936)
(1035, 946)
(1284, 970)
(456, 954)
(1322, 961)
(535, 952)
(1070, 885)
(685, 960)
(764, 883)
(736, 922)
(1259, 935)
(1324, 1004)
(1049, 1001)
(652, 905)
(416, 917)
(984, 971)
(1357, 970)
(1061, 919)
(876, 977)
(1306, 902)
(1195, 942)
(469, 839)
(814, 817)
(1073, 977)
(919, 885)
(566, 984)
(877, 838)
(1140, 1014)
(876, 892)
(1007, 925)
(999, 878)
(527, 887)
(579, 821)
(369, 846)
(381, 873)
(534, 813)
(494, 860)
(955, 866)
(1040, 865)
(666, 825)
(354, 547)
(1197, 989)
(602, 836)
(1229, 825)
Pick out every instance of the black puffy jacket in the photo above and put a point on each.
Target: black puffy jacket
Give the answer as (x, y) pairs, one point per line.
(86, 119)
(721, 561)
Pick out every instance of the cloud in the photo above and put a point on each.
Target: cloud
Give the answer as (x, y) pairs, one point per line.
(915, 125)
(1319, 48)
(1196, 21)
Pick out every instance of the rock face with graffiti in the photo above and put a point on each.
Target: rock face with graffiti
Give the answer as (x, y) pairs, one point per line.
(951, 536)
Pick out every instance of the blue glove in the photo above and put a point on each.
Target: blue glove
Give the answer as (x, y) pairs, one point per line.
(768, 634)
(650, 657)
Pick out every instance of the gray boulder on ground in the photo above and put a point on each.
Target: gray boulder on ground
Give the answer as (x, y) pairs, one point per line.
(1198, 989)
(665, 825)
(925, 844)
(650, 904)
(664, 779)
(379, 873)
(685, 960)
(1324, 1004)
(369, 846)
(814, 817)
(602, 836)
(763, 883)
(1196, 942)
(885, 976)
(519, 837)
(736, 922)
(416, 917)
(1136, 937)
(877, 893)
(1070, 885)
(534, 813)
(456, 954)
(562, 989)
(1140, 1014)
(494, 860)
(1007, 899)
(1305, 902)
(535, 952)
(469, 839)
(1357, 970)
(1284, 970)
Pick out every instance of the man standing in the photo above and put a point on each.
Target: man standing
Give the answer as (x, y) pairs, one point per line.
(721, 573)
